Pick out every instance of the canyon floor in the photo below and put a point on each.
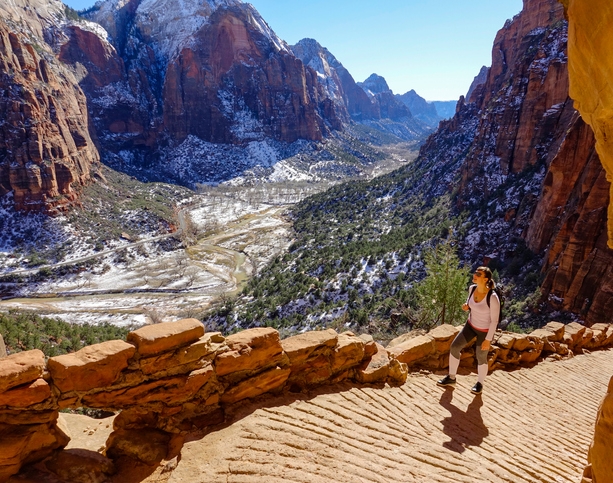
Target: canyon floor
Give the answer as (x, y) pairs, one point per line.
(530, 425)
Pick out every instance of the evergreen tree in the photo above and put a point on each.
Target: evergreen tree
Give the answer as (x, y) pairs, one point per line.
(441, 294)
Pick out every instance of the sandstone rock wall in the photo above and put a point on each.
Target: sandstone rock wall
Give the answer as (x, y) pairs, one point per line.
(171, 378)
(168, 379)
(45, 147)
(591, 73)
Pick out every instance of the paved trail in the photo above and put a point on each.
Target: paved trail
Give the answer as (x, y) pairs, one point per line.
(531, 425)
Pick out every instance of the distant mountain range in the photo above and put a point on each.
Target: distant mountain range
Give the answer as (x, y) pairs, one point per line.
(144, 83)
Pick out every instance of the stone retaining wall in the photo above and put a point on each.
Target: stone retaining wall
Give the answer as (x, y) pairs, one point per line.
(171, 378)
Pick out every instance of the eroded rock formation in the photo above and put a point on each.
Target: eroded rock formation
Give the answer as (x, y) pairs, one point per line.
(591, 72)
(46, 151)
(528, 166)
(172, 378)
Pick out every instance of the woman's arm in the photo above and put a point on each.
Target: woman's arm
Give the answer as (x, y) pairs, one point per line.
(494, 315)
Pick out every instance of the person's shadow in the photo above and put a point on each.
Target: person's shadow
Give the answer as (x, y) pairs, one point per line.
(464, 428)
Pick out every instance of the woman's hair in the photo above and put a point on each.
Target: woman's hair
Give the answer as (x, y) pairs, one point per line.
(488, 274)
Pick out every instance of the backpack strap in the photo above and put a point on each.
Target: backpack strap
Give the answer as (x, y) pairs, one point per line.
(489, 296)
(472, 291)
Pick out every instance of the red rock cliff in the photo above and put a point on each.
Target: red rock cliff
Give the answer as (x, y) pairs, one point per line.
(529, 169)
(45, 147)
(234, 82)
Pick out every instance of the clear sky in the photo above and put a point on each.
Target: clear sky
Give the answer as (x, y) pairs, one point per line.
(433, 46)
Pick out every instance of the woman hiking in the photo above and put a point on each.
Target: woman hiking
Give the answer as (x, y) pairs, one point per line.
(482, 323)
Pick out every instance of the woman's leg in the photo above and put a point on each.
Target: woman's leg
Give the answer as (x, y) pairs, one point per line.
(457, 345)
(482, 366)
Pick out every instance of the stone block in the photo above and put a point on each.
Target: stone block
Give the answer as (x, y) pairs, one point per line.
(443, 336)
(349, 352)
(262, 383)
(301, 347)
(250, 350)
(149, 446)
(413, 350)
(21, 368)
(576, 331)
(558, 328)
(370, 346)
(26, 395)
(171, 362)
(158, 338)
(170, 391)
(94, 366)
(376, 369)
(505, 340)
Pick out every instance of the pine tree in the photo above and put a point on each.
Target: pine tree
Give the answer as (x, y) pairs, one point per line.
(443, 291)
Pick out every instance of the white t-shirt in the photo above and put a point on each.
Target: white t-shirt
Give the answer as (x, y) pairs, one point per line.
(482, 317)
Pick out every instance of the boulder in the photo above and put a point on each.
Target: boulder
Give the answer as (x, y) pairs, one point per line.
(250, 350)
(262, 383)
(81, 466)
(158, 338)
(301, 347)
(576, 331)
(599, 456)
(376, 369)
(149, 446)
(370, 346)
(2, 347)
(94, 366)
(443, 336)
(182, 360)
(349, 352)
(413, 350)
(21, 368)
(26, 395)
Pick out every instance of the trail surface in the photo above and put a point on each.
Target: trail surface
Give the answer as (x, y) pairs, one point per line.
(531, 425)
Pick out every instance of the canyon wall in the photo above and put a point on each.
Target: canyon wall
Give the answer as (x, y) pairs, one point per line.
(46, 152)
(173, 378)
(591, 75)
(530, 174)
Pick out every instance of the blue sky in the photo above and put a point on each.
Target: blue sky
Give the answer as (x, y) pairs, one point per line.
(433, 46)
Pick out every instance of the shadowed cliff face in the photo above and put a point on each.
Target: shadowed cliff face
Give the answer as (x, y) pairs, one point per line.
(45, 148)
(529, 170)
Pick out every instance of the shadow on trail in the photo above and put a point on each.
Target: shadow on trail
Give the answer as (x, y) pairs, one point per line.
(465, 428)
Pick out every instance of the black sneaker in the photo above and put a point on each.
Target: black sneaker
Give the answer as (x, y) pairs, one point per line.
(446, 381)
(477, 388)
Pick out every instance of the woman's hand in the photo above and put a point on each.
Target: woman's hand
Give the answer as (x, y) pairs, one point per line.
(485, 346)
(465, 307)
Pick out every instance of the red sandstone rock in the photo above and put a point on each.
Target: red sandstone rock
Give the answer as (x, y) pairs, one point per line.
(599, 455)
(93, 366)
(413, 350)
(21, 368)
(264, 382)
(250, 350)
(181, 360)
(46, 149)
(301, 347)
(349, 352)
(26, 395)
(158, 338)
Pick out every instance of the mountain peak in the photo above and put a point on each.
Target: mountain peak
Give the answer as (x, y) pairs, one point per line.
(375, 84)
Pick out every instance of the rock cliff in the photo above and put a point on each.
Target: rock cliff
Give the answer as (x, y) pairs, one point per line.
(529, 172)
(591, 71)
(46, 150)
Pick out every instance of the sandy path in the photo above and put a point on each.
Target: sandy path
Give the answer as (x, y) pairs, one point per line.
(531, 425)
